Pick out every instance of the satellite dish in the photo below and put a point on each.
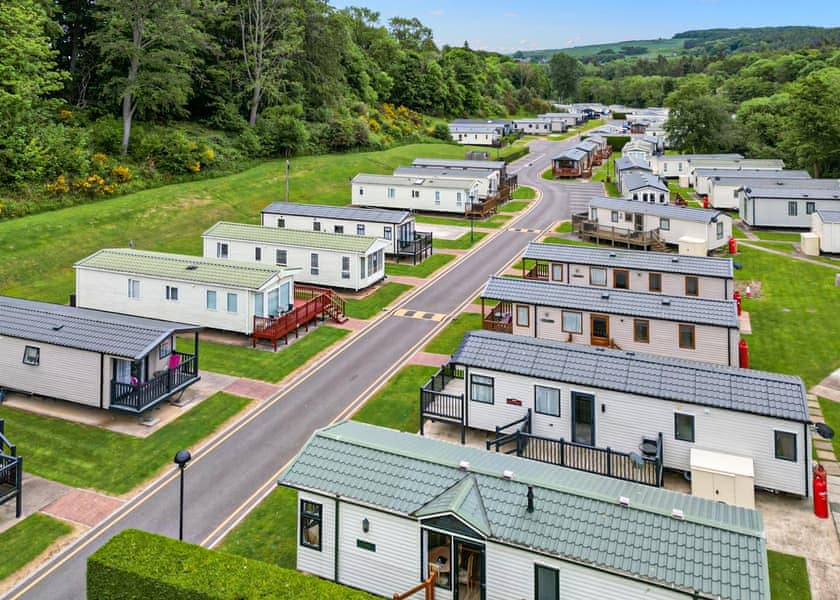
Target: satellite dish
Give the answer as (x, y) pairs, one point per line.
(824, 430)
(638, 461)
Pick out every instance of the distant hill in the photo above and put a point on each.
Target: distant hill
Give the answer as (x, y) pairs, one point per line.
(704, 41)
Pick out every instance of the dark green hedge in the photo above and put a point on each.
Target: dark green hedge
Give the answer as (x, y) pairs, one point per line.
(619, 115)
(617, 141)
(135, 565)
(517, 154)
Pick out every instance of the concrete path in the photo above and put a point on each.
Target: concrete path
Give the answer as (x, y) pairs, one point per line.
(793, 256)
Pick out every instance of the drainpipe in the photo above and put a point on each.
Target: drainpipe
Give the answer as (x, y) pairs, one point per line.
(807, 472)
(335, 544)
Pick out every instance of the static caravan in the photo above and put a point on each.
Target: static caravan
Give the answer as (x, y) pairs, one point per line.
(705, 176)
(92, 357)
(536, 126)
(592, 149)
(600, 398)
(478, 133)
(626, 165)
(826, 225)
(569, 119)
(656, 272)
(488, 179)
(637, 149)
(787, 206)
(211, 292)
(574, 162)
(557, 124)
(491, 526)
(674, 165)
(415, 193)
(670, 222)
(329, 259)
(504, 125)
(456, 164)
(645, 187)
(675, 326)
(394, 226)
(758, 164)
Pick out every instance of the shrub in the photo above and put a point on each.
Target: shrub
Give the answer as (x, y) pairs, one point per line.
(171, 151)
(617, 141)
(441, 132)
(281, 131)
(135, 565)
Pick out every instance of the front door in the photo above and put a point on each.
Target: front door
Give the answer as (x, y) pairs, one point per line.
(638, 222)
(583, 418)
(470, 582)
(599, 330)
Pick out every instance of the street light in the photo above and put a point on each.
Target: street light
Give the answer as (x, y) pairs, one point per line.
(181, 459)
(471, 198)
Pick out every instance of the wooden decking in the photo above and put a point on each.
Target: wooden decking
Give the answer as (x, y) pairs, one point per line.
(594, 231)
(571, 172)
(499, 318)
(316, 302)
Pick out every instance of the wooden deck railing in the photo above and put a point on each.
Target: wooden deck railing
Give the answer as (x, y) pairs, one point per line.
(539, 272)
(138, 398)
(320, 302)
(499, 318)
(585, 227)
(572, 171)
(427, 586)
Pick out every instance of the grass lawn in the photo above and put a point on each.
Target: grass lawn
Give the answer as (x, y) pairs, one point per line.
(737, 233)
(547, 174)
(27, 540)
(795, 324)
(424, 269)
(447, 341)
(369, 306)
(259, 364)
(778, 236)
(513, 206)
(462, 243)
(39, 251)
(686, 192)
(788, 577)
(494, 221)
(779, 246)
(524, 192)
(564, 227)
(397, 405)
(608, 168)
(268, 532)
(89, 457)
(831, 414)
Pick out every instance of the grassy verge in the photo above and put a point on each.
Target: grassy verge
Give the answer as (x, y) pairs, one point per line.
(564, 227)
(686, 192)
(462, 243)
(796, 297)
(424, 269)
(778, 246)
(266, 366)
(788, 577)
(89, 457)
(513, 206)
(548, 175)
(447, 341)
(831, 415)
(606, 169)
(524, 192)
(778, 236)
(27, 540)
(738, 234)
(367, 307)
(494, 222)
(397, 405)
(268, 532)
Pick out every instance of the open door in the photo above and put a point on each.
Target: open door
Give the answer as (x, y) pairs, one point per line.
(638, 222)
(470, 583)
(599, 330)
(583, 418)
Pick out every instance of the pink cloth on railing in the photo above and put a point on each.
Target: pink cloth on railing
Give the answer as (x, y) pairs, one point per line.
(174, 360)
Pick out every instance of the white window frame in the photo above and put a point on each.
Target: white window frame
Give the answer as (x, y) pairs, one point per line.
(235, 298)
(548, 411)
(664, 223)
(222, 250)
(345, 267)
(215, 296)
(571, 313)
(360, 229)
(277, 260)
(314, 268)
(172, 293)
(134, 289)
(387, 232)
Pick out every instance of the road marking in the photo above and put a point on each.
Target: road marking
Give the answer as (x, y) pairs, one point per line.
(419, 314)
(524, 230)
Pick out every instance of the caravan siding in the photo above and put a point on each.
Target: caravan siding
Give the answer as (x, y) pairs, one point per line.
(673, 284)
(621, 420)
(829, 234)
(775, 212)
(394, 565)
(715, 236)
(318, 562)
(723, 195)
(445, 199)
(63, 373)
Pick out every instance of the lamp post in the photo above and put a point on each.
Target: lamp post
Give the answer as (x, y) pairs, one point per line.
(472, 216)
(181, 459)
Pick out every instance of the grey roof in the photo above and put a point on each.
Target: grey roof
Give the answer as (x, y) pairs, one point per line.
(717, 549)
(694, 382)
(417, 181)
(634, 181)
(476, 127)
(703, 266)
(444, 172)
(703, 311)
(292, 237)
(502, 122)
(346, 213)
(571, 154)
(750, 163)
(739, 172)
(829, 216)
(690, 156)
(799, 193)
(628, 162)
(587, 145)
(669, 211)
(454, 163)
(83, 328)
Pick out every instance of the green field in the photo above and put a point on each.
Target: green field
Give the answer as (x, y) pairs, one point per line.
(654, 48)
(397, 405)
(447, 341)
(423, 269)
(27, 539)
(370, 306)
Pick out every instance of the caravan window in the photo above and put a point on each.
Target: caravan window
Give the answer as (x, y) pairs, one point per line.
(310, 525)
(32, 356)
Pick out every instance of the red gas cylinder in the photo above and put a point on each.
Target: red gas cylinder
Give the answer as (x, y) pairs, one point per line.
(743, 355)
(820, 493)
(737, 297)
(733, 246)
(705, 201)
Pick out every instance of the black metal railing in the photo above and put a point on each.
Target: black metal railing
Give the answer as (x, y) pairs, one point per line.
(420, 246)
(435, 403)
(11, 472)
(137, 398)
(519, 426)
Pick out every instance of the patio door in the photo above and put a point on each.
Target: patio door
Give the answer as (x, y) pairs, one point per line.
(638, 222)
(273, 303)
(583, 418)
(470, 582)
(122, 370)
(599, 330)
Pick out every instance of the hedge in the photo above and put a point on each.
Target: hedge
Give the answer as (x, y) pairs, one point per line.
(617, 141)
(136, 565)
(517, 154)
(619, 115)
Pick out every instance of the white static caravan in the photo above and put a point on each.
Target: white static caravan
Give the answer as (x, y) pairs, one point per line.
(478, 133)
(723, 186)
(674, 165)
(788, 206)
(497, 527)
(488, 179)
(210, 292)
(676, 326)
(671, 222)
(826, 224)
(415, 193)
(645, 187)
(655, 272)
(463, 164)
(91, 357)
(568, 119)
(626, 165)
(614, 399)
(328, 259)
(538, 126)
(757, 164)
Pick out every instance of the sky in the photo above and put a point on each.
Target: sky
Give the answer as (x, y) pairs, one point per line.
(507, 26)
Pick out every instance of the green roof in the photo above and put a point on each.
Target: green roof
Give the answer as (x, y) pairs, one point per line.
(290, 237)
(715, 548)
(183, 267)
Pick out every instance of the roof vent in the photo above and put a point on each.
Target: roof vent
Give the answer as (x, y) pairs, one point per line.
(464, 464)
(613, 254)
(678, 514)
(507, 474)
(666, 302)
(624, 501)
(530, 498)
(676, 259)
(192, 267)
(58, 327)
(605, 296)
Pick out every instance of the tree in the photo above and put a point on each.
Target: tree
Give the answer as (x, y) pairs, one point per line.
(76, 56)
(271, 31)
(814, 122)
(154, 43)
(412, 34)
(699, 121)
(564, 72)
